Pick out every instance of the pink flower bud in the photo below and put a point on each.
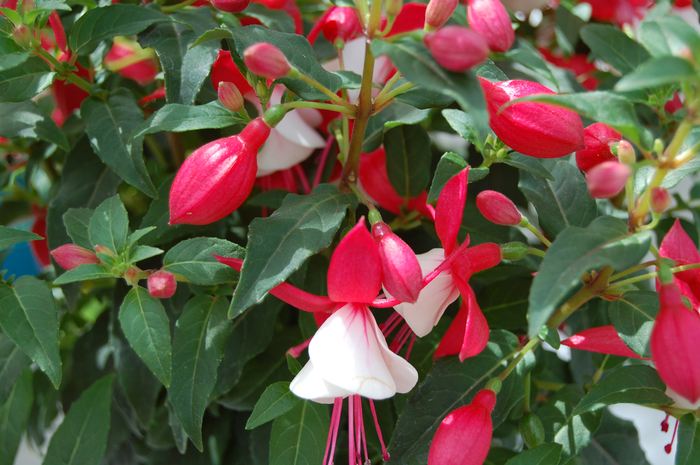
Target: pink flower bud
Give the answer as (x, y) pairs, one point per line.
(675, 343)
(497, 208)
(402, 273)
(607, 179)
(131, 276)
(342, 23)
(104, 250)
(625, 152)
(22, 35)
(598, 139)
(266, 60)
(456, 48)
(490, 19)
(660, 199)
(438, 12)
(58, 31)
(217, 177)
(230, 6)
(162, 284)
(224, 70)
(535, 129)
(464, 436)
(71, 256)
(230, 96)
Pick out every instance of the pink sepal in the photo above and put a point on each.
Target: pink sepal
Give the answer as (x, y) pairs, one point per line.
(603, 339)
(469, 332)
(411, 18)
(474, 259)
(318, 27)
(58, 31)
(355, 271)
(450, 209)
(678, 246)
(288, 293)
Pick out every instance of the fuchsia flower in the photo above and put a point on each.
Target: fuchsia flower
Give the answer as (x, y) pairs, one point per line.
(603, 339)
(678, 246)
(456, 48)
(607, 179)
(341, 23)
(490, 19)
(71, 256)
(599, 139)
(162, 284)
(142, 71)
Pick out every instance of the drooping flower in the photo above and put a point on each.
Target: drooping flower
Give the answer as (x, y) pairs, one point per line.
(599, 139)
(457, 48)
(490, 19)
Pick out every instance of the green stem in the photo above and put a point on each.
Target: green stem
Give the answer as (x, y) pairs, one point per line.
(526, 388)
(387, 86)
(644, 277)
(389, 97)
(361, 196)
(320, 106)
(325, 90)
(599, 372)
(178, 6)
(58, 67)
(539, 235)
(581, 297)
(538, 252)
(511, 366)
(641, 266)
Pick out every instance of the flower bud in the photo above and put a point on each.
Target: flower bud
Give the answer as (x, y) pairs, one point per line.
(58, 31)
(402, 273)
(217, 177)
(675, 343)
(532, 430)
(230, 6)
(660, 199)
(513, 251)
(497, 208)
(230, 96)
(490, 19)
(598, 138)
(342, 23)
(625, 152)
(71, 256)
(438, 12)
(607, 179)
(105, 250)
(162, 284)
(456, 48)
(535, 129)
(131, 276)
(22, 35)
(27, 6)
(266, 60)
(464, 436)
(393, 7)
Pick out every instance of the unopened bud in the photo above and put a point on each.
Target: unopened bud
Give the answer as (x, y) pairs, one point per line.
(230, 6)
(402, 276)
(342, 24)
(687, 54)
(607, 179)
(660, 199)
(456, 48)
(532, 430)
(266, 60)
(22, 35)
(274, 115)
(230, 96)
(498, 208)
(162, 284)
(438, 12)
(490, 19)
(625, 152)
(104, 250)
(131, 276)
(374, 217)
(599, 140)
(513, 251)
(27, 6)
(393, 7)
(71, 256)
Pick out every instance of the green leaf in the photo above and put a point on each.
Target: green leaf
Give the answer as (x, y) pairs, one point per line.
(658, 72)
(524, 53)
(450, 165)
(99, 24)
(142, 252)
(146, 327)
(299, 436)
(605, 107)
(302, 226)
(635, 384)
(299, 53)
(548, 453)
(198, 347)
(605, 242)
(13, 15)
(109, 225)
(276, 20)
(30, 318)
(450, 385)
(193, 260)
(633, 315)
(408, 159)
(529, 164)
(174, 117)
(275, 401)
(108, 125)
(25, 119)
(688, 449)
(667, 36)
(84, 273)
(645, 174)
(14, 415)
(184, 68)
(11, 54)
(11, 236)
(215, 34)
(614, 47)
(77, 221)
(416, 63)
(505, 307)
(462, 123)
(82, 437)
(26, 80)
(561, 203)
(421, 98)
(616, 442)
(13, 361)
(392, 116)
(573, 432)
(550, 336)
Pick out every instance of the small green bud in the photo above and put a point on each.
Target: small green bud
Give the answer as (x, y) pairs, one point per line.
(659, 146)
(22, 36)
(513, 251)
(393, 7)
(494, 384)
(261, 89)
(274, 115)
(532, 430)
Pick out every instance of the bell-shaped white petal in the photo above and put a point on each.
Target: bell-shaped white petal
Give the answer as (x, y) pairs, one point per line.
(308, 384)
(434, 298)
(349, 351)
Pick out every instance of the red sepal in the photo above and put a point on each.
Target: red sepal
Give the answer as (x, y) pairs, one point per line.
(450, 209)
(603, 339)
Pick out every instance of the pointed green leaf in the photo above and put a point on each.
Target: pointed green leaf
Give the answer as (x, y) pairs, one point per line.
(25, 119)
(146, 327)
(142, 252)
(82, 437)
(668, 35)
(13, 361)
(529, 164)
(633, 316)
(658, 72)
(14, 415)
(548, 453)
(26, 80)
(11, 236)
(299, 436)
(193, 259)
(302, 226)
(688, 451)
(198, 347)
(408, 159)
(275, 401)
(28, 315)
(450, 165)
(613, 46)
(109, 225)
(616, 442)
(605, 241)
(77, 221)
(109, 125)
(84, 273)
(11, 54)
(276, 20)
(392, 116)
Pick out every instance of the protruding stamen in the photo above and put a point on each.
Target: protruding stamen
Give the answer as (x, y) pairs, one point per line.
(410, 346)
(297, 350)
(351, 431)
(335, 426)
(669, 446)
(385, 454)
(664, 424)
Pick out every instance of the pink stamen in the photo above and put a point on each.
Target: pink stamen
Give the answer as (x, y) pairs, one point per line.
(402, 337)
(385, 454)
(322, 160)
(393, 326)
(296, 351)
(333, 431)
(360, 425)
(664, 424)
(669, 446)
(302, 178)
(351, 431)
(388, 322)
(410, 346)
